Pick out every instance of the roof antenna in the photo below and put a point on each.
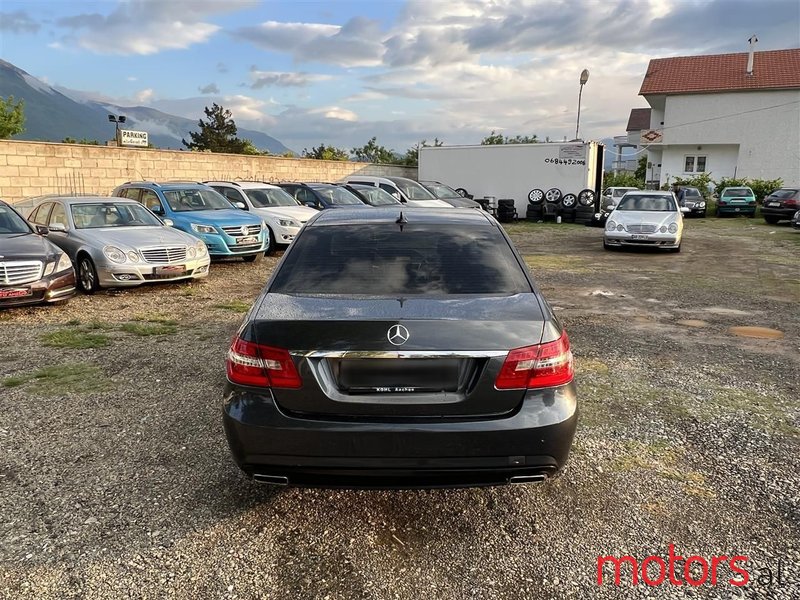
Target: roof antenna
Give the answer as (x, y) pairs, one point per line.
(401, 220)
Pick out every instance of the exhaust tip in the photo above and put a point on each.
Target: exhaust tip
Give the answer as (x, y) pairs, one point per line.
(271, 479)
(528, 478)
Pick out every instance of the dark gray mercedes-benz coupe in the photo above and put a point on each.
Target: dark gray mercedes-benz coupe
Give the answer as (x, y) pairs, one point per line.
(400, 348)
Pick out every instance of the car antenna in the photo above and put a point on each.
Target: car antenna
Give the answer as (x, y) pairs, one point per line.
(401, 220)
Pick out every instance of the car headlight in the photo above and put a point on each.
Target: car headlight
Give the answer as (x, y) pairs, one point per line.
(133, 256)
(191, 251)
(700, 205)
(611, 226)
(620, 227)
(114, 254)
(663, 229)
(203, 228)
(56, 266)
(673, 228)
(201, 249)
(288, 223)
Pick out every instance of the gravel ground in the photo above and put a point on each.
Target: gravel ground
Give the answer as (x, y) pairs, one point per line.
(117, 483)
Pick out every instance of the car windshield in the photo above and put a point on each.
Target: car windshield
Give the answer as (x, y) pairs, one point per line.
(441, 190)
(737, 192)
(691, 192)
(619, 192)
(111, 214)
(376, 196)
(195, 199)
(413, 190)
(269, 197)
(337, 195)
(11, 222)
(784, 193)
(647, 203)
(386, 260)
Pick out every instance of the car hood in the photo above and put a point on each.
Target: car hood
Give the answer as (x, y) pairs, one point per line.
(627, 217)
(26, 246)
(136, 237)
(298, 213)
(224, 217)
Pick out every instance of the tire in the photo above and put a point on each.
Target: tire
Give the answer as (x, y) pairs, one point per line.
(271, 246)
(772, 220)
(253, 258)
(553, 195)
(586, 197)
(535, 197)
(569, 201)
(462, 192)
(606, 246)
(87, 275)
(533, 212)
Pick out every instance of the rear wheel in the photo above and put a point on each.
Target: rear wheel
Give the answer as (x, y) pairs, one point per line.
(271, 246)
(771, 220)
(87, 275)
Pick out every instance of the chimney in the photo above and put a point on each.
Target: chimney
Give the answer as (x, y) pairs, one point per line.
(753, 41)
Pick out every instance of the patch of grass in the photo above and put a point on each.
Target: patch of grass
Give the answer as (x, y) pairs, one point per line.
(590, 365)
(73, 322)
(74, 338)
(101, 325)
(156, 318)
(145, 329)
(70, 378)
(234, 306)
(760, 411)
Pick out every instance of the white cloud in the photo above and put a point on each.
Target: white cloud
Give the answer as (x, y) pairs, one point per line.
(261, 79)
(335, 112)
(144, 96)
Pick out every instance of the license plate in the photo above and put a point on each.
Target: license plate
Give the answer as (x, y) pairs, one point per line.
(640, 236)
(773, 204)
(16, 293)
(248, 239)
(169, 270)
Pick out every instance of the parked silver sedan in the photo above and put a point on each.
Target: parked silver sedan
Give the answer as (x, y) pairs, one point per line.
(645, 218)
(114, 242)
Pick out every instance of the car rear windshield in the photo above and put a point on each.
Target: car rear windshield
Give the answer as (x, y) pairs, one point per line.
(385, 260)
(783, 193)
(738, 192)
(648, 203)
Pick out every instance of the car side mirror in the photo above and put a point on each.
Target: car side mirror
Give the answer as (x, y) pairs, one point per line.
(240, 205)
(59, 227)
(311, 204)
(169, 222)
(42, 229)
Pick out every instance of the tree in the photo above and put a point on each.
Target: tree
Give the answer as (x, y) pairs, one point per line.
(12, 117)
(85, 141)
(323, 152)
(218, 134)
(641, 169)
(495, 138)
(374, 153)
(411, 158)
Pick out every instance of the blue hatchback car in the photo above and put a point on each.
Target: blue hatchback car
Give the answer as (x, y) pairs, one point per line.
(204, 213)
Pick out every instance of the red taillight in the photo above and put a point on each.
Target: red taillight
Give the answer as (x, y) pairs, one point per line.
(261, 366)
(790, 203)
(539, 366)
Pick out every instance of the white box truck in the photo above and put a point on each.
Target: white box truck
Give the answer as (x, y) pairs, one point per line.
(521, 171)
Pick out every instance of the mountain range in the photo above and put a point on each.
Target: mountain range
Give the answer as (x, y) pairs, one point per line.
(53, 116)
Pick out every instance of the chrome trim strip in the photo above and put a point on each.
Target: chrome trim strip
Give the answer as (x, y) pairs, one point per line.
(399, 353)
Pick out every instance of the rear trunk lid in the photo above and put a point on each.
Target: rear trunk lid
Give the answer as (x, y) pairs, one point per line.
(397, 358)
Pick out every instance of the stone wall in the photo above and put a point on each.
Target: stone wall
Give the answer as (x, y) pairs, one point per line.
(30, 169)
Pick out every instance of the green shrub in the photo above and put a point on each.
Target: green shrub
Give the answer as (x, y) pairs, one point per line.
(622, 180)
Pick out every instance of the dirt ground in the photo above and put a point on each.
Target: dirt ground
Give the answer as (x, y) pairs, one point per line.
(117, 483)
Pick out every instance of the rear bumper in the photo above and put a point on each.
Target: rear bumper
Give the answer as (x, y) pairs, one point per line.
(736, 210)
(265, 441)
(781, 213)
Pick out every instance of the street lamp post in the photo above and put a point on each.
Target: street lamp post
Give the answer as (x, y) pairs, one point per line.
(117, 120)
(584, 79)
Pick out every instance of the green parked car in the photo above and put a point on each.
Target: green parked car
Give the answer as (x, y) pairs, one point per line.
(737, 201)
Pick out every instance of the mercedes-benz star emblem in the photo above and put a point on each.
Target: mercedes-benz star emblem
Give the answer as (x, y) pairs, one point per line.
(398, 335)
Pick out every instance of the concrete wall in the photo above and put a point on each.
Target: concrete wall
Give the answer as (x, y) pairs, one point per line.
(30, 169)
(721, 160)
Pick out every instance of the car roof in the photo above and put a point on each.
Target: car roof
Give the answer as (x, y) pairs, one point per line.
(636, 192)
(90, 199)
(738, 187)
(166, 185)
(245, 185)
(390, 214)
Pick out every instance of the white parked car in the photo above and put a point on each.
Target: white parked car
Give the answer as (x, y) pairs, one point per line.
(282, 214)
(408, 191)
(612, 195)
(646, 219)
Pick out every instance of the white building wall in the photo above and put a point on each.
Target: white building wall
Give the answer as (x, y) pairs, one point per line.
(721, 160)
(765, 125)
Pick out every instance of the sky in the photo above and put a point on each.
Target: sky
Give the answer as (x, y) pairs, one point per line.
(340, 72)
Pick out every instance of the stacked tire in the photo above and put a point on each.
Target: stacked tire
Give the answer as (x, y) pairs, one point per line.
(569, 204)
(506, 211)
(535, 201)
(584, 210)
